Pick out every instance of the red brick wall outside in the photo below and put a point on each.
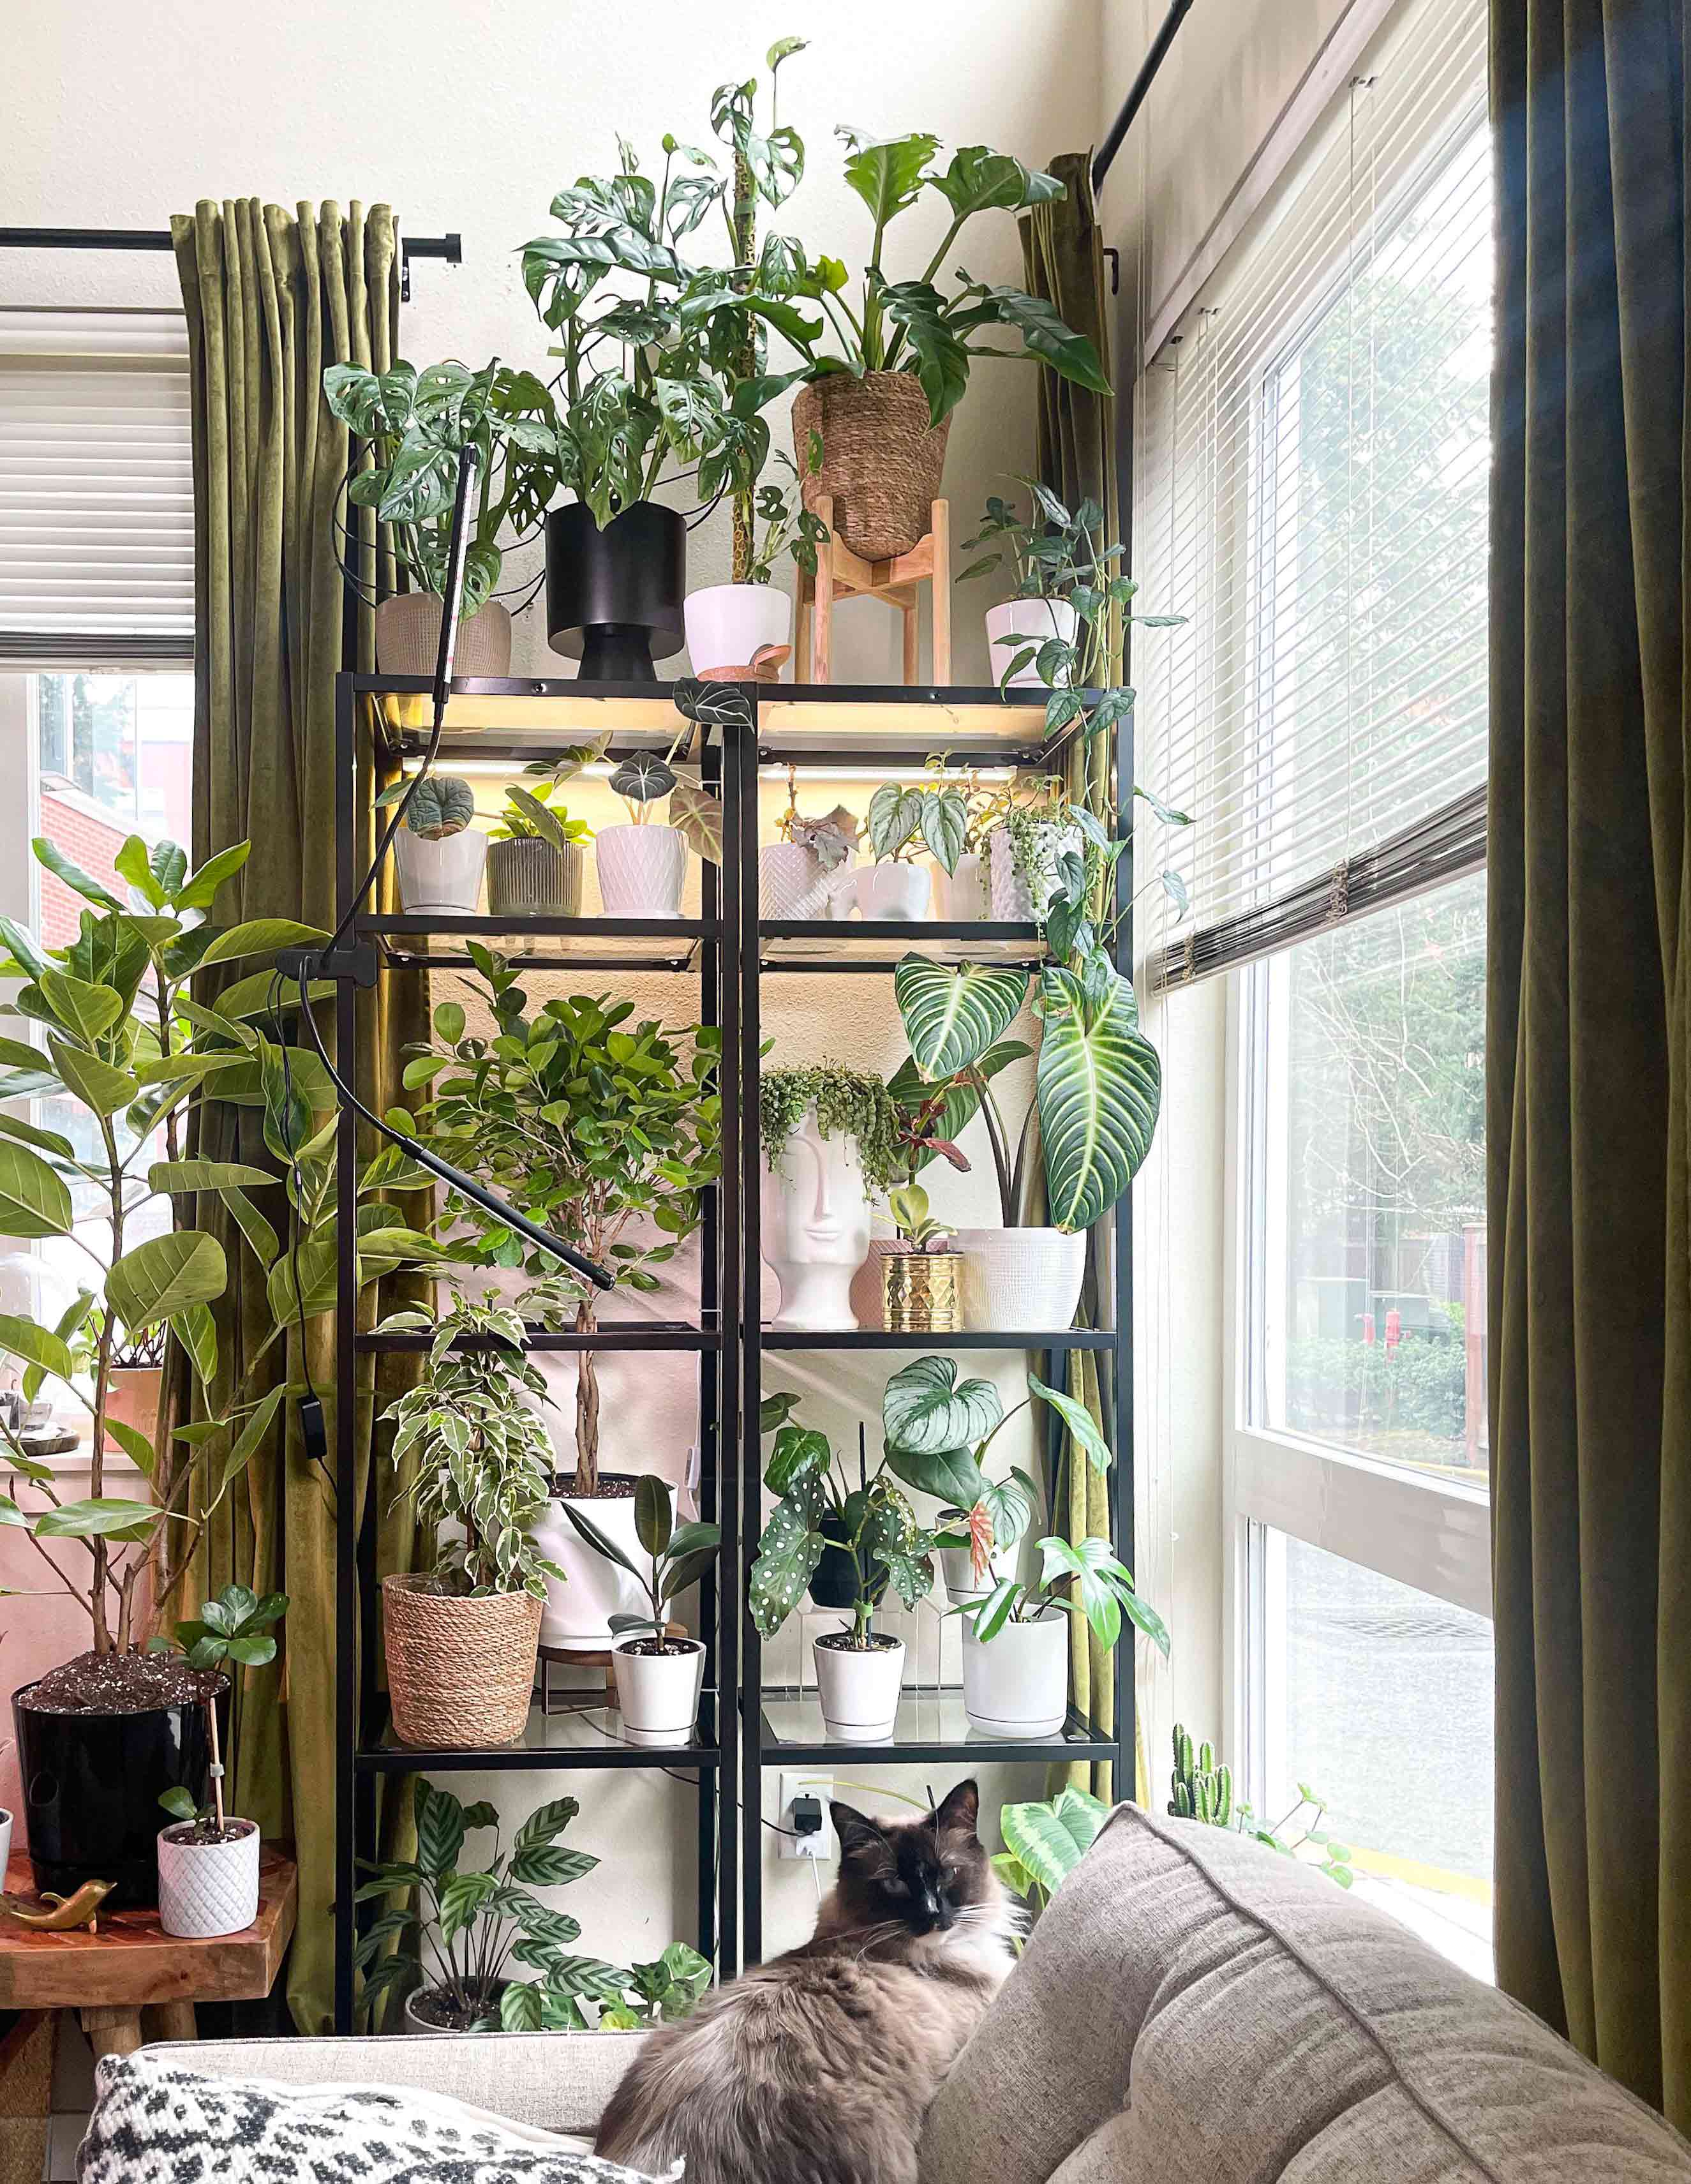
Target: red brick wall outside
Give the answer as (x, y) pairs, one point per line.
(87, 840)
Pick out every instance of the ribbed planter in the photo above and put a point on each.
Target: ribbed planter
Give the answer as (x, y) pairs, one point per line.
(792, 884)
(1022, 1280)
(442, 875)
(407, 637)
(207, 1889)
(1017, 1684)
(459, 1672)
(641, 870)
(882, 457)
(527, 877)
(962, 894)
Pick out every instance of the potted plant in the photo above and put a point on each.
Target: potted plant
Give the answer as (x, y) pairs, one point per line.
(882, 400)
(450, 1946)
(859, 1670)
(134, 1373)
(438, 853)
(608, 1132)
(534, 856)
(1035, 832)
(742, 633)
(903, 820)
(209, 1863)
(1015, 1641)
(807, 873)
(1051, 554)
(462, 1638)
(410, 428)
(658, 1675)
(1044, 1842)
(828, 1138)
(103, 1734)
(961, 894)
(919, 1280)
(1203, 1790)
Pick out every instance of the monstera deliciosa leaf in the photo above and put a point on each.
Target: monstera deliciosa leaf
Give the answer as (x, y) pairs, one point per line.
(1098, 1088)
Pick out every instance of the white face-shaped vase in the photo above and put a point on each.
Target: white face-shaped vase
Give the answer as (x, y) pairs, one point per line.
(816, 1227)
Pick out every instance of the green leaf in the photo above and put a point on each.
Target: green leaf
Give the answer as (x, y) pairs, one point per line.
(88, 1011)
(887, 173)
(800, 1452)
(925, 1408)
(449, 1022)
(64, 868)
(951, 1475)
(1098, 1088)
(260, 936)
(34, 1201)
(1048, 1841)
(204, 1175)
(439, 1821)
(22, 1338)
(107, 1517)
(953, 1016)
(697, 816)
(981, 181)
(50, 1141)
(945, 827)
(653, 1513)
(549, 1865)
(252, 1435)
(942, 359)
(1080, 1422)
(134, 1445)
(202, 889)
(787, 1555)
(95, 1084)
(164, 1274)
(547, 1821)
(519, 2008)
(179, 1801)
(261, 1237)
(1047, 337)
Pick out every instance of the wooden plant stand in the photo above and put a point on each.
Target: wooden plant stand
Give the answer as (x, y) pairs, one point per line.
(842, 575)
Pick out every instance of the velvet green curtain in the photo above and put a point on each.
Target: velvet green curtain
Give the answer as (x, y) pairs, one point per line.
(1590, 918)
(1063, 260)
(271, 298)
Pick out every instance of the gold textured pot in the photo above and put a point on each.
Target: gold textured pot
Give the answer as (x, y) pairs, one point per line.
(919, 1291)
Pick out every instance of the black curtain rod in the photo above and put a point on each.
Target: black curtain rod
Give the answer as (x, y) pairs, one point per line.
(1135, 99)
(447, 247)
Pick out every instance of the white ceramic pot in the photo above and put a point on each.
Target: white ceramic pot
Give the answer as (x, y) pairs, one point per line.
(207, 1889)
(441, 876)
(894, 891)
(641, 871)
(1017, 1684)
(728, 625)
(962, 894)
(658, 1692)
(1019, 623)
(1022, 1280)
(957, 1568)
(577, 1613)
(1015, 897)
(5, 1842)
(792, 884)
(815, 1230)
(407, 637)
(860, 1691)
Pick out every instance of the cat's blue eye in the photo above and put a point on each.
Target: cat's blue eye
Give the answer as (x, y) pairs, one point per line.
(948, 1877)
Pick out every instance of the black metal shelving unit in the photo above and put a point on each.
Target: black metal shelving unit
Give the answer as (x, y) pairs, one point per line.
(744, 1728)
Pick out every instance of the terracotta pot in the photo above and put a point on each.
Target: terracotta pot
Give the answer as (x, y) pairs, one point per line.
(133, 1396)
(407, 637)
(882, 457)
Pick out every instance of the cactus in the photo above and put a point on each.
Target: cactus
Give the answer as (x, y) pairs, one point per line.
(1202, 1791)
(443, 805)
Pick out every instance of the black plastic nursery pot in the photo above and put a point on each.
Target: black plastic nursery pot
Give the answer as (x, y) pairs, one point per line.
(614, 598)
(833, 1583)
(91, 1786)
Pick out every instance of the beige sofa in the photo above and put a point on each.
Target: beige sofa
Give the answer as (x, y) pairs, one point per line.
(1191, 2010)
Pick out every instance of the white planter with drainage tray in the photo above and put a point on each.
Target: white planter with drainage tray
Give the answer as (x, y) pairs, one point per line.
(957, 1568)
(858, 1689)
(657, 1693)
(207, 1888)
(1016, 1684)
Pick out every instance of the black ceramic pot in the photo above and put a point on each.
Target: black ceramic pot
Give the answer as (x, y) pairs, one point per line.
(91, 1786)
(833, 1583)
(614, 597)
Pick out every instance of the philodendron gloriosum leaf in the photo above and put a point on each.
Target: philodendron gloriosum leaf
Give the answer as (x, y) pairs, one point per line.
(1098, 1088)
(953, 1016)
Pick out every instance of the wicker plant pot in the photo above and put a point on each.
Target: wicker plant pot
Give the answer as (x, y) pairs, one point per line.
(459, 1672)
(407, 637)
(530, 879)
(919, 1291)
(881, 457)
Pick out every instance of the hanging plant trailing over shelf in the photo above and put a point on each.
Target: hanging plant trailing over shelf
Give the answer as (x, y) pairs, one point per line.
(850, 1103)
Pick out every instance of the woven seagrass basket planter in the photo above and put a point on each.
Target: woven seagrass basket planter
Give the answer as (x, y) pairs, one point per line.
(881, 457)
(459, 1672)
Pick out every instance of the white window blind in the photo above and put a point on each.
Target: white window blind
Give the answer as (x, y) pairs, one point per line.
(96, 515)
(1312, 459)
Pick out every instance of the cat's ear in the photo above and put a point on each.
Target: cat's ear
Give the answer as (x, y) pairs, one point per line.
(959, 1813)
(860, 1839)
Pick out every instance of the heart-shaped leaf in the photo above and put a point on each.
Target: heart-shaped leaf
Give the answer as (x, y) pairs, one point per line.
(953, 1016)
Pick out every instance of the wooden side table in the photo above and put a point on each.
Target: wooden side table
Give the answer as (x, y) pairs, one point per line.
(132, 1965)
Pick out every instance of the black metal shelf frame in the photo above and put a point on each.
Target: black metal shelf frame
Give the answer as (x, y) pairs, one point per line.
(729, 949)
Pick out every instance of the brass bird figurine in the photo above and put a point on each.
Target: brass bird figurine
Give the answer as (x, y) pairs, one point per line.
(63, 1912)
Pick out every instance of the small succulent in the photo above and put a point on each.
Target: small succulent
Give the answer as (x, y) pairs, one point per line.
(443, 805)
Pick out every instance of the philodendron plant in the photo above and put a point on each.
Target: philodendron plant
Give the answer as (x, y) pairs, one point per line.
(906, 818)
(645, 779)
(1102, 1592)
(1044, 1842)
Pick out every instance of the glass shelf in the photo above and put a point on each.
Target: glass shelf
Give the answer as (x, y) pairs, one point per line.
(992, 1338)
(625, 1334)
(425, 939)
(584, 1736)
(931, 1726)
(881, 944)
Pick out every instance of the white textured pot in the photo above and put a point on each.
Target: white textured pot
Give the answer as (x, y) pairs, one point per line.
(444, 875)
(1017, 1684)
(894, 891)
(1012, 628)
(5, 1839)
(860, 1691)
(641, 871)
(1022, 1280)
(728, 625)
(957, 1568)
(577, 1613)
(658, 1692)
(1014, 896)
(407, 637)
(207, 1889)
(792, 883)
(815, 1230)
(962, 894)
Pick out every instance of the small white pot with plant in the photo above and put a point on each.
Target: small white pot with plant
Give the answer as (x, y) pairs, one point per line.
(439, 854)
(658, 1675)
(209, 1862)
(1035, 852)
(1057, 564)
(808, 872)
(535, 856)
(1015, 1641)
(743, 632)
(904, 819)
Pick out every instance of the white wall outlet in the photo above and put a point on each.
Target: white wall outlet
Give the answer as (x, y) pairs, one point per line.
(816, 1848)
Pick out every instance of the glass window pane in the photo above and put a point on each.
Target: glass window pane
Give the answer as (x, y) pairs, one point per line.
(1378, 1697)
(1370, 1235)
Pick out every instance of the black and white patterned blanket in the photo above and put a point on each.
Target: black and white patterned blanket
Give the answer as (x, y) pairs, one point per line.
(156, 2123)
